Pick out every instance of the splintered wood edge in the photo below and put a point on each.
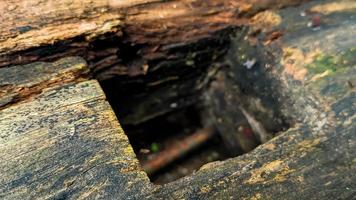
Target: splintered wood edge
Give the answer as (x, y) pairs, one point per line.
(66, 142)
(19, 83)
(282, 164)
(37, 25)
(46, 22)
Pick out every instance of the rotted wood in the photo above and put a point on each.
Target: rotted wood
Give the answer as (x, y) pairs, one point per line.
(35, 23)
(18, 83)
(64, 141)
(153, 41)
(310, 71)
(178, 150)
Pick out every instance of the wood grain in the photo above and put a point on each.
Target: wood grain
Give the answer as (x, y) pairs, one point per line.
(66, 143)
(21, 82)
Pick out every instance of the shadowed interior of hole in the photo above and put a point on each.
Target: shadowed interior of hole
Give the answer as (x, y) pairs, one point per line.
(167, 130)
(161, 132)
(155, 118)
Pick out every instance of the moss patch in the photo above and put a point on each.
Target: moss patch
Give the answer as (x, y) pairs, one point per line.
(333, 63)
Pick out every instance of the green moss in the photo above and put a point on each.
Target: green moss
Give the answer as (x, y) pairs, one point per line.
(321, 64)
(341, 67)
(333, 63)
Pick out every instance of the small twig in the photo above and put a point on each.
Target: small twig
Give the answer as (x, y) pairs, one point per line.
(178, 150)
(256, 126)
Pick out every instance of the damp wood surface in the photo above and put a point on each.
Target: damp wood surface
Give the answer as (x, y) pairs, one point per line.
(60, 139)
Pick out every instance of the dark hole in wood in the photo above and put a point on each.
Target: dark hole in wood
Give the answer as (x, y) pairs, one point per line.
(207, 111)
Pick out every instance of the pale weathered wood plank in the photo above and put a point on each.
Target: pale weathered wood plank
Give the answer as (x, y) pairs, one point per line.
(59, 137)
(66, 143)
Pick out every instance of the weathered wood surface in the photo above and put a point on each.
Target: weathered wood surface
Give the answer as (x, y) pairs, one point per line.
(69, 28)
(20, 82)
(129, 38)
(74, 134)
(66, 143)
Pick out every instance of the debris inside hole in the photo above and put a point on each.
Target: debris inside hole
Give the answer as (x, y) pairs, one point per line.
(178, 143)
(205, 113)
(175, 145)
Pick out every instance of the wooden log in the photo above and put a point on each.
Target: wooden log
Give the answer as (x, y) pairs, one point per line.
(178, 150)
(65, 143)
(310, 71)
(30, 32)
(315, 158)
(124, 39)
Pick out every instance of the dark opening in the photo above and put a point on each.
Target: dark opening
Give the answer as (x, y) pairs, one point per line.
(184, 113)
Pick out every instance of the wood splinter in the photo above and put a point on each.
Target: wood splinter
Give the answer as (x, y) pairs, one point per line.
(178, 150)
(256, 126)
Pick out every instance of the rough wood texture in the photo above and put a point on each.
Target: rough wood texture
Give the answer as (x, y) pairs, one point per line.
(166, 41)
(315, 159)
(83, 152)
(66, 143)
(68, 27)
(20, 82)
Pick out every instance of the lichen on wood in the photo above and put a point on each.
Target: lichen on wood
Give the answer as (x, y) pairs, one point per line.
(63, 141)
